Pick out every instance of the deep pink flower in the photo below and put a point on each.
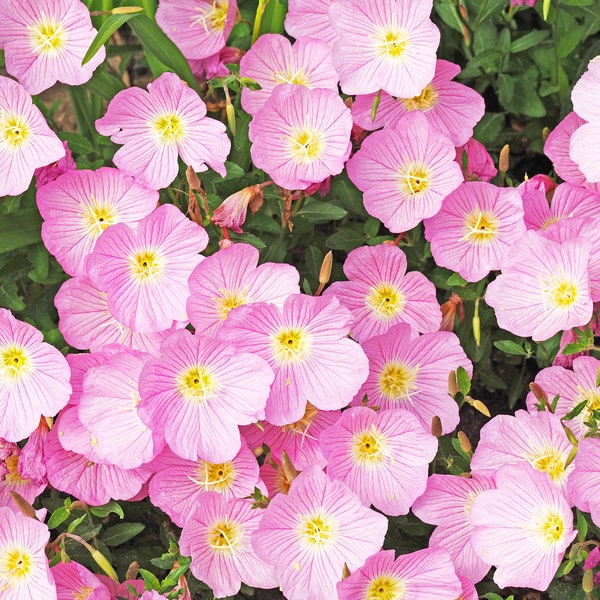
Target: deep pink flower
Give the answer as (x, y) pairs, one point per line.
(44, 175)
(479, 163)
(310, 18)
(74, 582)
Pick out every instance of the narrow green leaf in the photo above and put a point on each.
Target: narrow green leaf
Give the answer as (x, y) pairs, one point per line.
(151, 581)
(108, 28)
(463, 380)
(73, 525)
(60, 515)
(321, 212)
(107, 509)
(582, 526)
(119, 534)
(577, 410)
(510, 347)
(529, 40)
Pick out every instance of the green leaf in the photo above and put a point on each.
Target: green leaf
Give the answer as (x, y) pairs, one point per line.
(306, 287)
(60, 515)
(577, 410)
(120, 533)
(78, 144)
(463, 380)
(107, 509)
(529, 40)
(582, 526)
(20, 228)
(9, 295)
(447, 12)
(506, 89)
(489, 128)
(73, 524)
(108, 28)
(456, 279)
(345, 239)
(248, 238)
(371, 227)
(510, 347)
(38, 257)
(317, 211)
(151, 581)
(313, 257)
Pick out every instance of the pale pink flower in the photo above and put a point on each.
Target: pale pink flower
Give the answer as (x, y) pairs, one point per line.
(423, 575)
(307, 347)
(273, 60)
(310, 18)
(144, 272)
(24, 570)
(80, 205)
(477, 224)
(157, 126)
(479, 163)
(584, 482)
(447, 503)
(199, 391)
(310, 533)
(450, 107)
(301, 136)
(405, 172)
(44, 175)
(34, 378)
(585, 93)
(45, 42)
(75, 582)
(383, 457)
(26, 141)
(543, 288)
(585, 137)
(231, 278)
(12, 481)
(381, 294)
(200, 28)
(522, 527)
(393, 49)
(411, 372)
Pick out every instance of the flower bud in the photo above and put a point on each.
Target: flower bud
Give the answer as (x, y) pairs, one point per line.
(232, 212)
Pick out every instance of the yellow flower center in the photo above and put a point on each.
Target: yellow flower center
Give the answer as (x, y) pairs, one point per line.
(301, 426)
(392, 43)
(369, 447)
(229, 300)
(424, 101)
(548, 460)
(14, 362)
(558, 292)
(224, 536)
(47, 36)
(295, 77)
(481, 227)
(396, 381)
(197, 383)
(97, 216)
(385, 587)
(592, 398)
(215, 477)
(146, 265)
(14, 130)
(290, 345)
(169, 128)
(550, 527)
(13, 477)
(83, 593)
(15, 566)
(316, 531)
(306, 145)
(385, 300)
(213, 18)
(413, 178)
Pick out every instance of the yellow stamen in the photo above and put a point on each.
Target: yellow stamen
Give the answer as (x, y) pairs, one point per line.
(396, 381)
(168, 128)
(290, 345)
(392, 43)
(146, 265)
(213, 18)
(550, 527)
(368, 447)
(385, 300)
(47, 36)
(386, 587)
(548, 460)
(14, 130)
(482, 227)
(558, 292)
(197, 383)
(306, 145)
(97, 216)
(224, 536)
(229, 300)
(413, 179)
(295, 77)
(316, 531)
(215, 477)
(14, 362)
(425, 101)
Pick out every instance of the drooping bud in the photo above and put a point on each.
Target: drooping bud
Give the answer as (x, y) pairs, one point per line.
(465, 443)
(232, 212)
(540, 395)
(504, 159)
(436, 426)
(453, 307)
(587, 581)
(452, 384)
(478, 405)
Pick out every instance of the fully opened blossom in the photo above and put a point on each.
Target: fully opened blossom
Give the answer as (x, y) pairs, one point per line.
(522, 527)
(584, 483)
(477, 224)
(26, 141)
(46, 41)
(34, 378)
(307, 347)
(543, 288)
(310, 18)
(273, 60)
(310, 533)
(80, 205)
(301, 136)
(144, 272)
(380, 293)
(157, 126)
(393, 49)
(405, 172)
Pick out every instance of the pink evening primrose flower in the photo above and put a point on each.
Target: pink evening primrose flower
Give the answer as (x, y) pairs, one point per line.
(200, 28)
(310, 533)
(479, 164)
(145, 271)
(405, 172)
(307, 346)
(522, 527)
(411, 372)
(450, 107)
(301, 136)
(199, 391)
(218, 537)
(75, 582)
(26, 141)
(585, 92)
(585, 137)
(393, 49)
(273, 60)
(44, 175)
(34, 378)
(584, 482)
(477, 224)
(80, 205)
(310, 18)
(383, 457)
(381, 294)
(24, 570)
(45, 42)
(230, 278)
(423, 575)
(447, 503)
(543, 288)
(156, 126)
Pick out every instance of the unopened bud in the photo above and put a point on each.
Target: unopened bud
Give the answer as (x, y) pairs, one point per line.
(346, 572)
(477, 329)
(452, 384)
(504, 159)
(193, 179)
(126, 10)
(290, 472)
(132, 570)
(465, 443)
(23, 505)
(103, 563)
(478, 405)
(232, 212)
(539, 393)
(570, 436)
(225, 243)
(230, 111)
(545, 133)
(436, 426)
(325, 272)
(375, 105)
(587, 581)
(571, 456)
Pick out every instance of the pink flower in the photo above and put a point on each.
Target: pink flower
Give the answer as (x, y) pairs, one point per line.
(24, 571)
(405, 172)
(144, 272)
(34, 378)
(423, 575)
(310, 18)
(393, 49)
(447, 503)
(383, 457)
(46, 41)
(585, 92)
(411, 372)
(200, 28)
(80, 205)
(231, 213)
(480, 166)
(584, 482)
(450, 107)
(26, 141)
(307, 347)
(310, 533)
(585, 137)
(74, 581)
(522, 527)
(272, 60)
(158, 125)
(301, 136)
(199, 391)
(231, 278)
(477, 224)
(44, 175)
(543, 288)
(381, 294)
